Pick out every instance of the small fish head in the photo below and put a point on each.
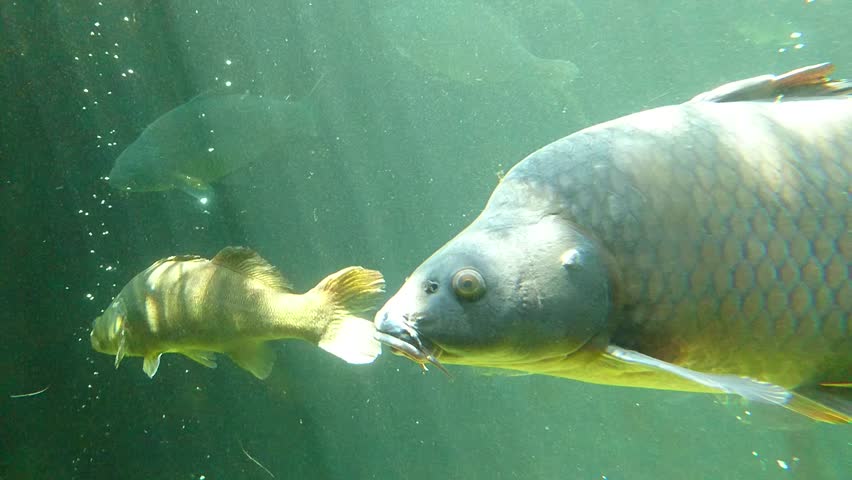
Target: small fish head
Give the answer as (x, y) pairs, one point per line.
(500, 296)
(109, 329)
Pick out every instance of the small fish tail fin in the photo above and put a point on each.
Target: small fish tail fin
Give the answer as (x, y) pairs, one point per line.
(355, 289)
(352, 291)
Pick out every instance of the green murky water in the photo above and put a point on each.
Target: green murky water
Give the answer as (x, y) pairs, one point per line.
(414, 109)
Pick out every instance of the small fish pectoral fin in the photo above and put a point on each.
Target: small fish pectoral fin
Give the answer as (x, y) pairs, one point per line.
(208, 359)
(121, 352)
(744, 387)
(351, 338)
(151, 364)
(258, 358)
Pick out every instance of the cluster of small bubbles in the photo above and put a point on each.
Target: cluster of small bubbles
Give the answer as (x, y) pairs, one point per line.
(90, 297)
(798, 46)
(747, 413)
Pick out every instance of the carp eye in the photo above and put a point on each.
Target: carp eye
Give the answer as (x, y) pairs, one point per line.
(468, 284)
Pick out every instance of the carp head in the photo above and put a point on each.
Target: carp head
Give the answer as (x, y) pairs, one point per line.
(510, 291)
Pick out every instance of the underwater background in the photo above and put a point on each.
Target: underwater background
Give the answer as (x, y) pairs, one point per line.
(404, 147)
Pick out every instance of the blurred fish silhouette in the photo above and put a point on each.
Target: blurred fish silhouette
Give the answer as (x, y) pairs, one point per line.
(468, 42)
(207, 138)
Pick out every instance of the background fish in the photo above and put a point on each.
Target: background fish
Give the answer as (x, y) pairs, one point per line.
(442, 38)
(697, 247)
(207, 138)
(235, 304)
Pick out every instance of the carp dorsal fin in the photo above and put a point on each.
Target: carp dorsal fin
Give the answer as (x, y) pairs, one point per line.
(810, 81)
(247, 262)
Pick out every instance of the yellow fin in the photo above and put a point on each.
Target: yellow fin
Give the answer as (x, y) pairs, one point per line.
(247, 262)
(351, 339)
(151, 364)
(256, 357)
(354, 289)
(174, 258)
(810, 81)
(823, 403)
(208, 359)
(121, 351)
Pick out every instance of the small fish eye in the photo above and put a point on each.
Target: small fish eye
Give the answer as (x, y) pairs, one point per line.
(469, 284)
(430, 286)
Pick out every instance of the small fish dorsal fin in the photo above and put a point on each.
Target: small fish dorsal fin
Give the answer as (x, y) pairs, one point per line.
(174, 258)
(810, 81)
(247, 262)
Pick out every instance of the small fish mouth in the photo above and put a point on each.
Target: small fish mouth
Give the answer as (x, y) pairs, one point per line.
(405, 340)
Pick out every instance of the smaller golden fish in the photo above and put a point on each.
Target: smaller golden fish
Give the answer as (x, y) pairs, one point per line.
(235, 304)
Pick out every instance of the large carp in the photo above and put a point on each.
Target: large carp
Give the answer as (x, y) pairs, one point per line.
(697, 247)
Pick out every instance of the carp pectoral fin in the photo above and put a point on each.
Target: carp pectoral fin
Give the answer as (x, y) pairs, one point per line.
(257, 358)
(744, 387)
(830, 404)
(351, 338)
(208, 359)
(151, 363)
(197, 188)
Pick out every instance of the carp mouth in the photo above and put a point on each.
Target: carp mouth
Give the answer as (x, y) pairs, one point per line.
(404, 339)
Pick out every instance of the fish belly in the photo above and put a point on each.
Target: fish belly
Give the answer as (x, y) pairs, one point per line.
(729, 225)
